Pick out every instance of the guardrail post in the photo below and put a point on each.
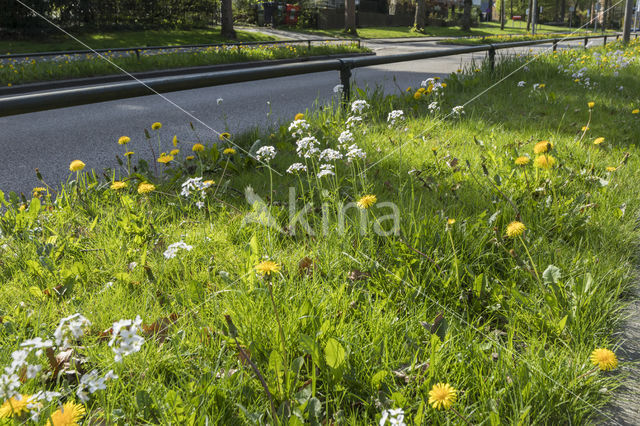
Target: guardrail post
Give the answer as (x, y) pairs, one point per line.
(359, 41)
(617, 37)
(492, 57)
(605, 41)
(345, 80)
(309, 44)
(586, 40)
(138, 54)
(555, 44)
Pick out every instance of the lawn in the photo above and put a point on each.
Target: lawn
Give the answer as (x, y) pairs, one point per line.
(30, 70)
(484, 29)
(410, 257)
(114, 39)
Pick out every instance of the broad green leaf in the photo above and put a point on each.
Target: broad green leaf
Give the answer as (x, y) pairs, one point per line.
(551, 275)
(334, 354)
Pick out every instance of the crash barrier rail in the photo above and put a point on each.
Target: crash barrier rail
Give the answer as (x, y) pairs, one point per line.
(41, 101)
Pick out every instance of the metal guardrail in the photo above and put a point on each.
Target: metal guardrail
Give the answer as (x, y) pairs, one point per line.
(42, 101)
(139, 49)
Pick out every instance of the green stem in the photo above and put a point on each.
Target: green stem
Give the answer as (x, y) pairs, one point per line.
(455, 256)
(283, 346)
(533, 265)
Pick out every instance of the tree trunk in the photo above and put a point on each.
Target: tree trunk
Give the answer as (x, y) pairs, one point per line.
(419, 19)
(530, 7)
(466, 15)
(502, 15)
(563, 7)
(350, 17)
(227, 20)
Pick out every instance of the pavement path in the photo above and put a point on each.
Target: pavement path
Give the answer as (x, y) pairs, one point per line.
(50, 140)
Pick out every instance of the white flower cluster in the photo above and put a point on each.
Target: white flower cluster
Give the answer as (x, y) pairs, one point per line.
(358, 106)
(339, 88)
(172, 250)
(194, 185)
(434, 83)
(394, 417)
(522, 83)
(395, 115)
(353, 121)
(326, 170)
(90, 382)
(296, 168)
(330, 155)
(298, 127)
(346, 137)
(125, 339)
(72, 325)
(355, 153)
(307, 147)
(457, 110)
(266, 153)
(434, 107)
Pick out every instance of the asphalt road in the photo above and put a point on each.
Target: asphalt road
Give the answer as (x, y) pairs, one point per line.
(50, 140)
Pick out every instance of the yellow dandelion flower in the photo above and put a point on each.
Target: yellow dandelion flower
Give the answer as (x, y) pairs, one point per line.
(544, 162)
(267, 267)
(15, 406)
(22, 207)
(584, 128)
(542, 147)
(299, 116)
(635, 111)
(522, 161)
(68, 415)
(164, 159)
(224, 136)
(198, 147)
(208, 182)
(174, 152)
(515, 229)
(409, 89)
(442, 395)
(611, 169)
(128, 154)
(451, 221)
(190, 157)
(156, 126)
(76, 166)
(116, 185)
(229, 151)
(175, 140)
(417, 95)
(124, 140)
(146, 187)
(598, 141)
(591, 105)
(38, 191)
(367, 201)
(444, 85)
(604, 359)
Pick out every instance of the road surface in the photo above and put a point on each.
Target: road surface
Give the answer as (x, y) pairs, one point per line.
(50, 140)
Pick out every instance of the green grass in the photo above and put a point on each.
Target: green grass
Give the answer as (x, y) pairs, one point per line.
(495, 39)
(115, 39)
(20, 72)
(484, 29)
(344, 329)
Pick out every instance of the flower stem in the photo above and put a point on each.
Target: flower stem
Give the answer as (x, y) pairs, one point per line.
(533, 265)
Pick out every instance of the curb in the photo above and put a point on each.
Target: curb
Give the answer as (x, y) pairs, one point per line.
(88, 81)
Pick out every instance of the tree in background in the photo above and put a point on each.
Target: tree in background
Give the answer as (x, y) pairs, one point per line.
(502, 15)
(350, 17)
(466, 15)
(419, 19)
(227, 30)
